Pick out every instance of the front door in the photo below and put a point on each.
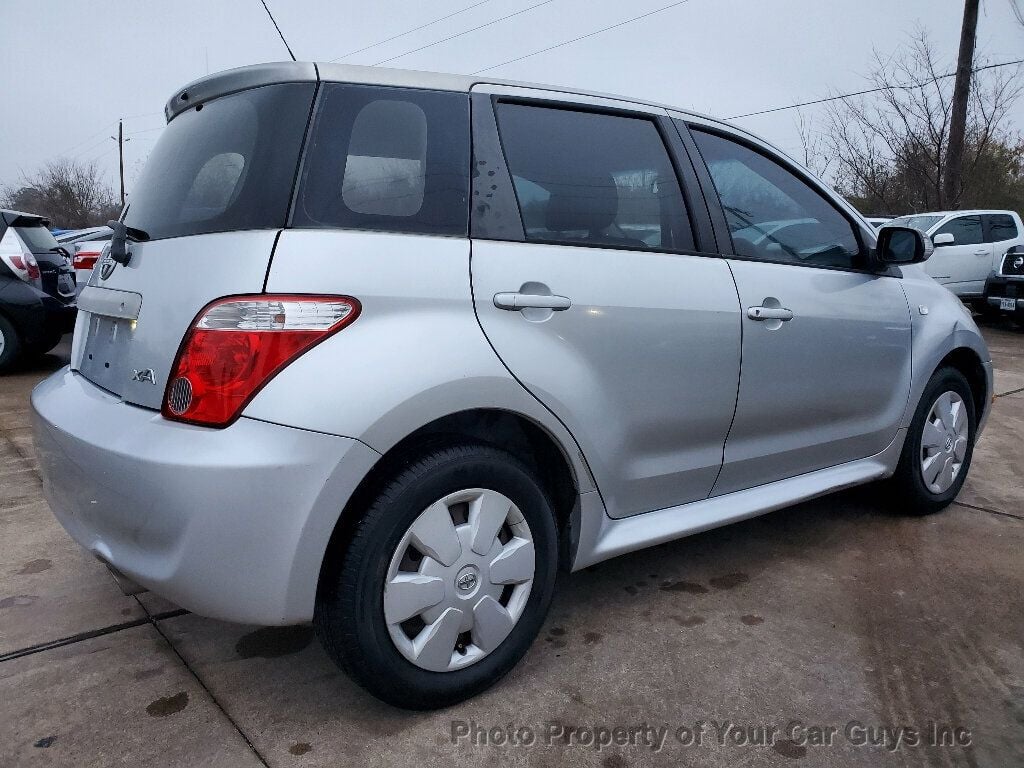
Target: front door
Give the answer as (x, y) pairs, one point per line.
(826, 345)
(605, 312)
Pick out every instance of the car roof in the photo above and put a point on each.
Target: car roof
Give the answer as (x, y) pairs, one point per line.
(242, 78)
(965, 212)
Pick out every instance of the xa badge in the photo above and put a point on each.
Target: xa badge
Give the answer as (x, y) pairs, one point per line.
(144, 376)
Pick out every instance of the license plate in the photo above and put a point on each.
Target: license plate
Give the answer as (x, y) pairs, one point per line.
(1010, 304)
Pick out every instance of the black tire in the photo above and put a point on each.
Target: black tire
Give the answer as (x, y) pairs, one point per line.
(349, 617)
(912, 496)
(12, 346)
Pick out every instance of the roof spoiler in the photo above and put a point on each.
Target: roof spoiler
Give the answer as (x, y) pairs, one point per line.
(21, 219)
(238, 79)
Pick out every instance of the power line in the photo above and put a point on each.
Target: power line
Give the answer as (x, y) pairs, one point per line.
(279, 32)
(870, 90)
(582, 37)
(409, 31)
(460, 34)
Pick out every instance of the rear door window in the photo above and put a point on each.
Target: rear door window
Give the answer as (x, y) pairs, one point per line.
(585, 178)
(391, 159)
(1001, 227)
(225, 165)
(966, 230)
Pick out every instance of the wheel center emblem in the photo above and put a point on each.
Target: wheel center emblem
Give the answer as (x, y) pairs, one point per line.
(467, 581)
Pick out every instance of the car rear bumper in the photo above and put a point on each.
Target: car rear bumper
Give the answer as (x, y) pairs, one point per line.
(229, 523)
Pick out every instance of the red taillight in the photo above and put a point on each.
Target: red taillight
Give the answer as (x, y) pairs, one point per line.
(236, 345)
(85, 259)
(26, 263)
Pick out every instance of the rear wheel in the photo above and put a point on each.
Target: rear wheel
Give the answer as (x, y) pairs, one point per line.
(939, 447)
(445, 581)
(10, 344)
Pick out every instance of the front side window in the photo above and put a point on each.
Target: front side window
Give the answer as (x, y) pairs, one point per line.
(584, 178)
(1001, 227)
(966, 230)
(390, 159)
(773, 214)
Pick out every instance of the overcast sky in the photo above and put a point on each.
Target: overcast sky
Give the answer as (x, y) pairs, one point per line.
(71, 68)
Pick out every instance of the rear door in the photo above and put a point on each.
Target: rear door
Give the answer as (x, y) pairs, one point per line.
(211, 201)
(826, 344)
(962, 265)
(592, 280)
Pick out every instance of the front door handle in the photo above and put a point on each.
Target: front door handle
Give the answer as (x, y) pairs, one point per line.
(770, 313)
(515, 301)
(981, 253)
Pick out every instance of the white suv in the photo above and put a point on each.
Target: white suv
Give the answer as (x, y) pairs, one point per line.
(969, 246)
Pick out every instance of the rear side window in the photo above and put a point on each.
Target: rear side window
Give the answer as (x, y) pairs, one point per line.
(773, 214)
(390, 159)
(966, 230)
(225, 165)
(1001, 227)
(593, 179)
(37, 239)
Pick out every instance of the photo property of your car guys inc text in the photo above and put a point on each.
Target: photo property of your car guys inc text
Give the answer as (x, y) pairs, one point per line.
(543, 382)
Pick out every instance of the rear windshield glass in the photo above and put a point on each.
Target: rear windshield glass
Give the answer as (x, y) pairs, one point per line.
(391, 159)
(37, 239)
(225, 165)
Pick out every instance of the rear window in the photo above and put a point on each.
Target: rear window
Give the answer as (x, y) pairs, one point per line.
(225, 165)
(391, 159)
(37, 239)
(1001, 227)
(923, 223)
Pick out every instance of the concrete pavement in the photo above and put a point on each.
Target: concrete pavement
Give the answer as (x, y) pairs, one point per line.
(892, 632)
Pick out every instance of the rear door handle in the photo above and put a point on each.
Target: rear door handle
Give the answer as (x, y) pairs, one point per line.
(516, 301)
(770, 313)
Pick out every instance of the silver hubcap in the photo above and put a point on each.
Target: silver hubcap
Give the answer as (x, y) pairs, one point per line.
(459, 580)
(944, 442)
(3, 341)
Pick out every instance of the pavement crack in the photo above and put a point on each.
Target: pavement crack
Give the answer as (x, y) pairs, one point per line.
(1011, 392)
(82, 636)
(990, 511)
(153, 620)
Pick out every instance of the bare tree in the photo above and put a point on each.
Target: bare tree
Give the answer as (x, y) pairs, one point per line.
(888, 149)
(1018, 10)
(72, 195)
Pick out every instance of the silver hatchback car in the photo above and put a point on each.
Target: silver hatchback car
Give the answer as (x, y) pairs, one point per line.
(386, 350)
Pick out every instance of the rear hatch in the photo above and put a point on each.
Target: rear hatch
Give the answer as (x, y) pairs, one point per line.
(204, 215)
(55, 271)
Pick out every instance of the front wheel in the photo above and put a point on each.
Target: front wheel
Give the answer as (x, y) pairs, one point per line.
(445, 581)
(939, 447)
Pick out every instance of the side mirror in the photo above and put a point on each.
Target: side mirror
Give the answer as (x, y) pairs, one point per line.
(903, 245)
(946, 238)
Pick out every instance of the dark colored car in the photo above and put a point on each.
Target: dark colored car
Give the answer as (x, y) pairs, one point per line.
(37, 288)
(1004, 290)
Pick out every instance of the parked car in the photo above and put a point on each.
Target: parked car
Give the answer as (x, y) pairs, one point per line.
(969, 246)
(85, 246)
(878, 221)
(1004, 291)
(37, 288)
(388, 373)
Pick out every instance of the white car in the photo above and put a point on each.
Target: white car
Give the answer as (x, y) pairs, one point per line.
(878, 221)
(968, 246)
(85, 247)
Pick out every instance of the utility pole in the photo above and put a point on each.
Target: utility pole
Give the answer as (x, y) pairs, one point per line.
(120, 139)
(953, 176)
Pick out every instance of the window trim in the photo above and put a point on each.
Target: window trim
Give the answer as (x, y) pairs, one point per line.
(703, 235)
(779, 158)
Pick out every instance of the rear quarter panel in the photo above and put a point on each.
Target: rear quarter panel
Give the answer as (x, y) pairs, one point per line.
(415, 354)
